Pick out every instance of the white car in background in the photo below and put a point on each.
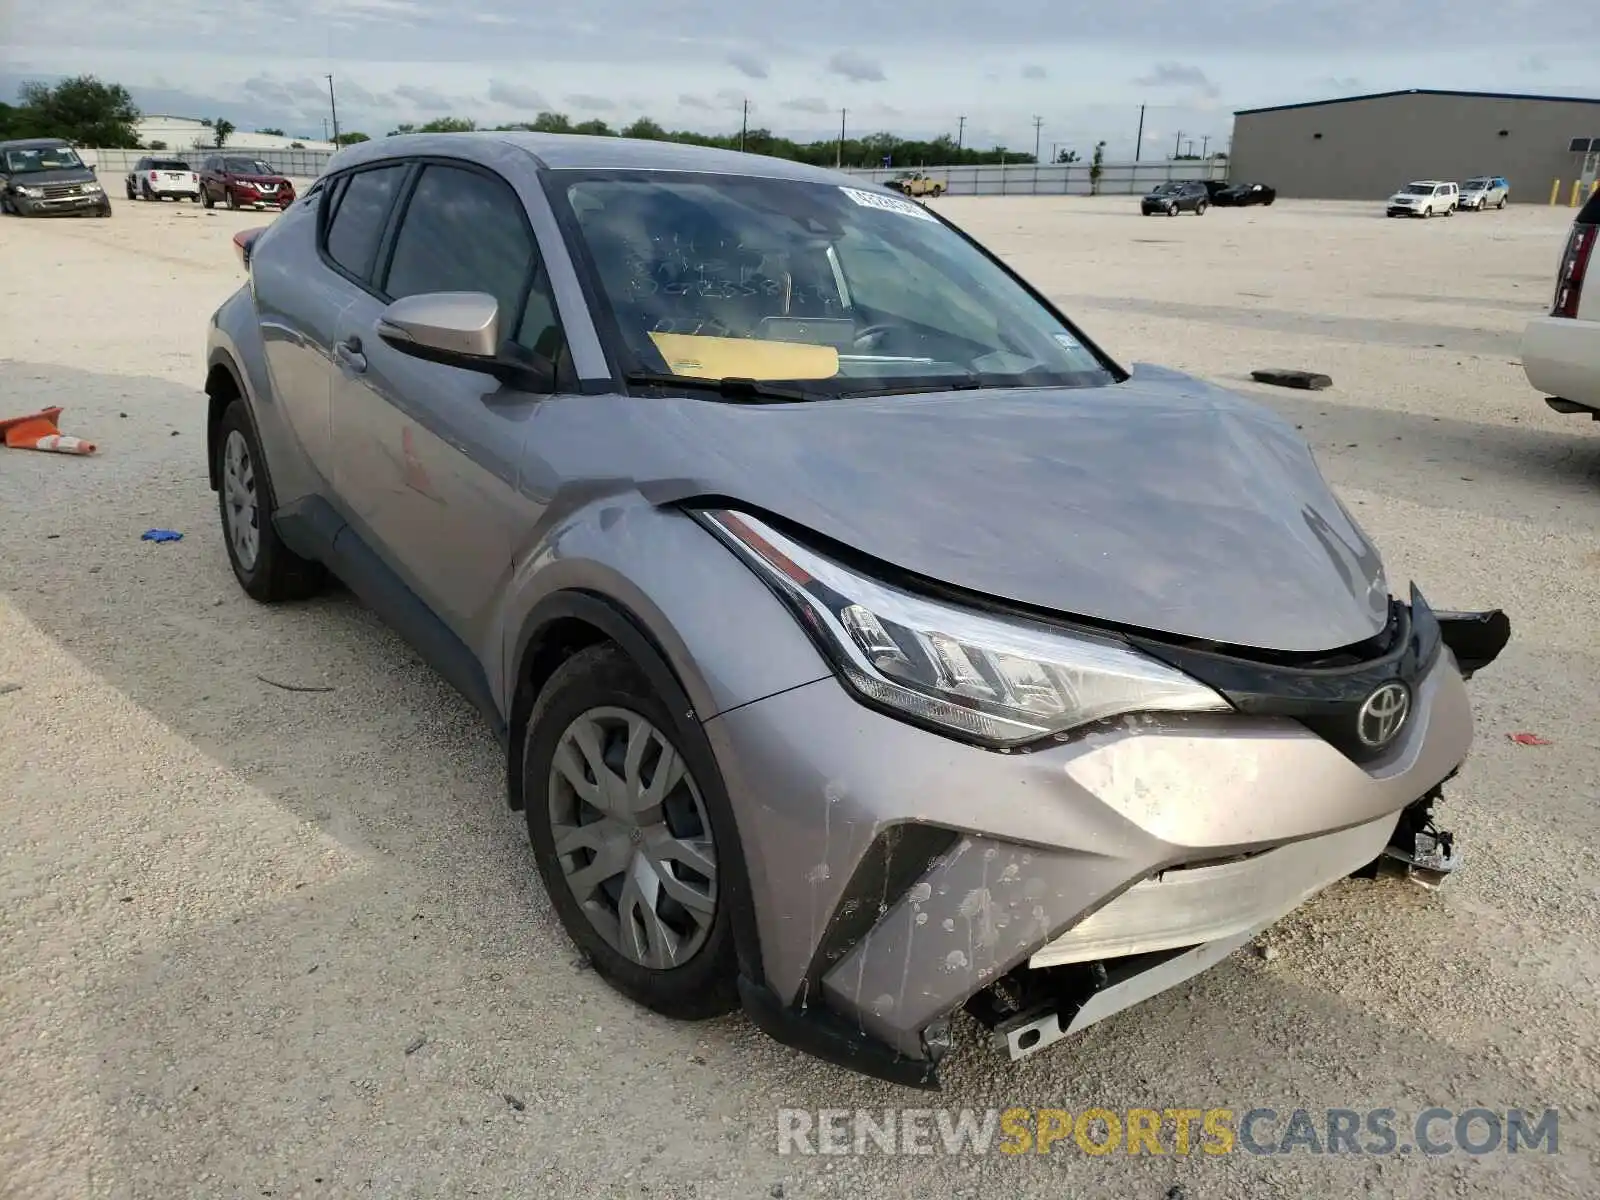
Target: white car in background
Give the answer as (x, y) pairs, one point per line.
(1425, 198)
(1561, 351)
(1485, 191)
(156, 178)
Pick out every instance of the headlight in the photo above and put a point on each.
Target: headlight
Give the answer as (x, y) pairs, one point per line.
(91, 187)
(30, 191)
(996, 680)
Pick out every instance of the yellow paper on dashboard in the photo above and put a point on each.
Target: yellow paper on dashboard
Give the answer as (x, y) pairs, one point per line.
(745, 358)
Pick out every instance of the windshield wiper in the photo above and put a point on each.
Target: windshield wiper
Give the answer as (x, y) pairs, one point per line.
(732, 387)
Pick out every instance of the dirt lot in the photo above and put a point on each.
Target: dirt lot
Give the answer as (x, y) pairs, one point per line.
(256, 942)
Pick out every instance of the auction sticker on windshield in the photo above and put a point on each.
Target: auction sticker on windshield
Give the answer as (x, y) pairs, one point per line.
(906, 208)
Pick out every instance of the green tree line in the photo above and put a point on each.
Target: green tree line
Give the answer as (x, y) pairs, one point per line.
(866, 151)
(82, 110)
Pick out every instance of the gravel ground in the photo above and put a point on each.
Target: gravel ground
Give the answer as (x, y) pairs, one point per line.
(256, 942)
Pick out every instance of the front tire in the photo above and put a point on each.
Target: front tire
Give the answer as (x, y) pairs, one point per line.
(231, 200)
(266, 569)
(1172, 210)
(206, 199)
(627, 839)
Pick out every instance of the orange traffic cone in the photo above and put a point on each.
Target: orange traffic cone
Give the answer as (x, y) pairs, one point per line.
(38, 431)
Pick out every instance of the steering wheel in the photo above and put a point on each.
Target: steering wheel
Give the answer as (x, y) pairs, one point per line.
(871, 332)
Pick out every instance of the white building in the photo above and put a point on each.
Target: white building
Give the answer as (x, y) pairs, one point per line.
(183, 134)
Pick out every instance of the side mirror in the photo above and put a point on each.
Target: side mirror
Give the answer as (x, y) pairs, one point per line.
(462, 330)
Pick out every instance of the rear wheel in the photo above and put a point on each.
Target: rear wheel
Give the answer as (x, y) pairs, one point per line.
(1200, 209)
(1502, 202)
(1172, 209)
(132, 195)
(266, 569)
(627, 838)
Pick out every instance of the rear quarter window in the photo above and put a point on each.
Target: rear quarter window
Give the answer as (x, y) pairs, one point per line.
(357, 224)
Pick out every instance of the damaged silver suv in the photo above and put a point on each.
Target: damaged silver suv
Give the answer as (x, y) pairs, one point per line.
(867, 644)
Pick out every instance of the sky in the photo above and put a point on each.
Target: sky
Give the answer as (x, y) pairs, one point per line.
(912, 67)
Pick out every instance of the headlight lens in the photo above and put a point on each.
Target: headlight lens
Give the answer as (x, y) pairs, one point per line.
(30, 191)
(91, 187)
(996, 680)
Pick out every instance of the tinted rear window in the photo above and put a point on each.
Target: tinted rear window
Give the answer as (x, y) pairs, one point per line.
(169, 164)
(358, 221)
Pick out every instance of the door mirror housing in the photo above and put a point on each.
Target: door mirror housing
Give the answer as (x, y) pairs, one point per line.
(462, 330)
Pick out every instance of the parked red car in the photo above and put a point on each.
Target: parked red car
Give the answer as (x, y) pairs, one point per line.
(243, 182)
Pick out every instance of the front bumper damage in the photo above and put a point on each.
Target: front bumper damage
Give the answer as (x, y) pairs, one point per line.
(902, 877)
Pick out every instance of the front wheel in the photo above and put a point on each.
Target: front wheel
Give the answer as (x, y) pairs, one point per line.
(266, 569)
(231, 199)
(629, 840)
(1172, 210)
(1502, 202)
(206, 199)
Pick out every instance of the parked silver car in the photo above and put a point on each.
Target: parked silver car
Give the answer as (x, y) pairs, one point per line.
(867, 643)
(1484, 191)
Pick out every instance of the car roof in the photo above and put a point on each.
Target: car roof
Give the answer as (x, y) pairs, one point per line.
(35, 144)
(561, 151)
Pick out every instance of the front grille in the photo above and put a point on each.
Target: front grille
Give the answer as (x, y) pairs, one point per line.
(60, 191)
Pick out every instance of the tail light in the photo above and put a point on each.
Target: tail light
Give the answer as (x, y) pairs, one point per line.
(155, 176)
(243, 242)
(1574, 265)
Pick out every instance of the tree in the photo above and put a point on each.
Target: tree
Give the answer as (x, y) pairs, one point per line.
(1068, 156)
(594, 128)
(401, 129)
(273, 132)
(645, 128)
(81, 110)
(222, 129)
(1096, 168)
(158, 144)
(351, 138)
(448, 125)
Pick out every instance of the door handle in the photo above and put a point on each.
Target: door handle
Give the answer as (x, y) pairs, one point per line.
(349, 353)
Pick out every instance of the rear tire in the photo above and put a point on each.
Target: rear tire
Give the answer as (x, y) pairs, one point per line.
(1502, 202)
(1172, 209)
(600, 693)
(132, 195)
(206, 200)
(266, 569)
(1200, 209)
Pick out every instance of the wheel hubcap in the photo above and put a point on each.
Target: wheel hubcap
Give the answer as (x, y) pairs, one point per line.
(632, 837)
(239, 500)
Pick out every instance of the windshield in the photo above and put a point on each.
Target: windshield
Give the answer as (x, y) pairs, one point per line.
(1417, 189)
(247, 166)
(42, 158)
(1475, 185)
(840, 290)
(1166, 189)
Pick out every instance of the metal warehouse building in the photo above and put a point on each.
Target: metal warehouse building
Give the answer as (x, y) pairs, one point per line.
(1364, 147)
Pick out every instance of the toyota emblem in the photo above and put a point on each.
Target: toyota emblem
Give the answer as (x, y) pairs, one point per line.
(1383, 715)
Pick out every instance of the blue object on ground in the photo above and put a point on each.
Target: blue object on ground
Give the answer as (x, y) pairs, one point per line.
(161, 535)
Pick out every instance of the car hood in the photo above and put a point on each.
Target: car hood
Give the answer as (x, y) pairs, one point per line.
(257, 178)
(1163, 502)
(64, 175)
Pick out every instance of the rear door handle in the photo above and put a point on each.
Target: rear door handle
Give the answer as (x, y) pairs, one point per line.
(349, 353)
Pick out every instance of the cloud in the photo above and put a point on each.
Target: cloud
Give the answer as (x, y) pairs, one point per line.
(699, 102)
(855, 67)
(748, 64)
(730, 98)
(358, 96)
(589, 102)
(514, 95)
(1179, 75)
(1534, 64)
(1343, 84)
(423, 97)
(807, 104)
(1034, 71)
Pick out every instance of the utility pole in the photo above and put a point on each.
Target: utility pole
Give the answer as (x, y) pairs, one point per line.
(1190, 150)
(1053, 148)
(744, 124)
(838, 155)
(333, 104)
(1177, 145)
(1038, 123)
(1205, 142)
(1138, 142)
(961, 129)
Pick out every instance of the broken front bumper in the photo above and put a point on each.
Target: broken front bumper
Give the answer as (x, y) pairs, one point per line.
(899, 876)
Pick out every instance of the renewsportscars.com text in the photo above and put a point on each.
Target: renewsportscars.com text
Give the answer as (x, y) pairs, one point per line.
(1178, 1131)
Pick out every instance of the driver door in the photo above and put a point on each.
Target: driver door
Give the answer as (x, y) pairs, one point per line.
(431, 453)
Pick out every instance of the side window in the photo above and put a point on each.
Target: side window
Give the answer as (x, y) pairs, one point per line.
(357, 224)
(464, 231)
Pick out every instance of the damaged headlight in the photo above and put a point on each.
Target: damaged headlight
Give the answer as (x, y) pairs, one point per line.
(992, 679)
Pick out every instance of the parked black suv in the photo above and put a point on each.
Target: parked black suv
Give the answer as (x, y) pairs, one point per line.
(1173, 198)
(45, 177)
